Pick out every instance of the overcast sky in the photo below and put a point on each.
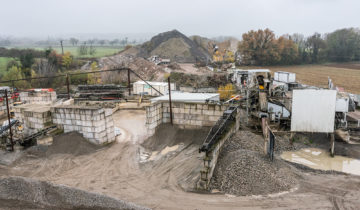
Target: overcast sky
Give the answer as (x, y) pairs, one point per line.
(202, 17)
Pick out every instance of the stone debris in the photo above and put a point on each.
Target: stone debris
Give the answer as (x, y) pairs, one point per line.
(25, 193)
(243, 169)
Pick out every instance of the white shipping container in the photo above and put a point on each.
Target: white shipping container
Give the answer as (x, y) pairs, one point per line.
(282, 76)
(140, 87)
(313, 111)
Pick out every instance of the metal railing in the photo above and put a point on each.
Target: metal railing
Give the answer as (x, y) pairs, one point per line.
(221, 126)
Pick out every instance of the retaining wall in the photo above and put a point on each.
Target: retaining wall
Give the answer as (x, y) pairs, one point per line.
(33, 117)
(43, 97)
(94, 123)
(185, 115)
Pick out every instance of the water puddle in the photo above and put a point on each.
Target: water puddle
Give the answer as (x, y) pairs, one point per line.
(320, 159)
(146, 156)
(169, 149)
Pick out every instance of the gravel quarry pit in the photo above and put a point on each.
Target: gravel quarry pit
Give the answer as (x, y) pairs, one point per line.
(116, 171)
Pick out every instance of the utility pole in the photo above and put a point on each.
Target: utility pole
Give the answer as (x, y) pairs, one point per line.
(171, 114)
(68, 85)
(62, 48)
(129, 82)
(8, 113)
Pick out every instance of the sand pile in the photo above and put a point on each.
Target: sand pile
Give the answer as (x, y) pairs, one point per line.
(25, 193)
(242, 169)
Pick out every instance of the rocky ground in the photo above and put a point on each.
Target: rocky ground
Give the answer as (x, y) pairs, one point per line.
(243, 169)
(24, 193)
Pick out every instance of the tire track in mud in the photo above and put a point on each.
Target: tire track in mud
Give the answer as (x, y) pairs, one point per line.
(161, 184)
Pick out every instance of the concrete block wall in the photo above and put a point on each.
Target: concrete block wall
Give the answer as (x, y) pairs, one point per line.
(154, 116)
(33, 117)
(43, 97)
(94, 123)
(185, 115)
(3, 104)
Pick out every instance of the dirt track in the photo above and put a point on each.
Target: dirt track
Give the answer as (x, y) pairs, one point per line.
(162, 182)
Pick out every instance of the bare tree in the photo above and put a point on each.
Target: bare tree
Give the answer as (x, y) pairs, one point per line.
(114, 42)
(102, 42)
(74, 41)
(83, 49)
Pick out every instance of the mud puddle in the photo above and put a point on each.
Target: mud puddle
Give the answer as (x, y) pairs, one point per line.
(146, 156)
(320, 159)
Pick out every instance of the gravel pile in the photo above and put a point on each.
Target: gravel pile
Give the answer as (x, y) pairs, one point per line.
(243, 169)
(243, 172)
(24, 193)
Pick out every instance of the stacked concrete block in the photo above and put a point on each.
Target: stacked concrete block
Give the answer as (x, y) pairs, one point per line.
(33, 117)
(41, 97)
(94, 123)
(3, 104)
(186, 115)
(154, 116)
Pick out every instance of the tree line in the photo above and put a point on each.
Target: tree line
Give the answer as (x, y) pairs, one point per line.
(28, 63)
(72, 41)
(262, 47)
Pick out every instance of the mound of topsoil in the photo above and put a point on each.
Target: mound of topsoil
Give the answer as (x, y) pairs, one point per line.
(243, 169)
(71, 143)
(168, 135)
(25, 193)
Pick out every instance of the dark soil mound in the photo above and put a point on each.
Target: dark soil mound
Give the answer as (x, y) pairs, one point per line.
(71, 143)
(24, 193)
(168, 135)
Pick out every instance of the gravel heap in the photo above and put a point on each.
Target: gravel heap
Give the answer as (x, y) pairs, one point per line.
(24, 193)
(243, 169)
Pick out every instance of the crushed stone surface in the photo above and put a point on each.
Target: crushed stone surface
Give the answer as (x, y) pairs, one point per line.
(243, 169)
(25, 193)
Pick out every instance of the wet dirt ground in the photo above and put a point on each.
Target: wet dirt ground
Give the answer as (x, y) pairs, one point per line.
(320, 159)
(164, 182)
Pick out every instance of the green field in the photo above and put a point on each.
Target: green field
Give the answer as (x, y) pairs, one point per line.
(3, 63)
(101, 51)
